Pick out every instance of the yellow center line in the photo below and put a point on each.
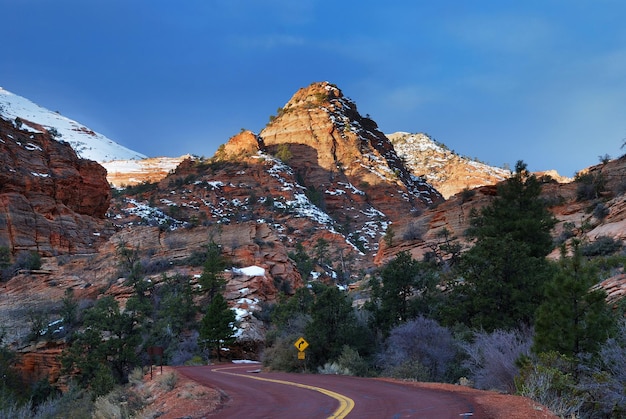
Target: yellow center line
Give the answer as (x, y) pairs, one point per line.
(346, 404)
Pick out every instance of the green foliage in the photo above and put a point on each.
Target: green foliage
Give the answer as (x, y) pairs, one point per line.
(403, 289)
(28, 260)
(69, 309)
(321, 251)
(38, 325)
(350, 360)
(135, 190)
(301, 303)
(105, 350)
(445, 253)
(128, 261)
(550, 380)
(333, 325)
(302, 260)
(602, 246)
(315, 196)
(212, 278)
(217, 325)
(467, 194)
(174, 312)
(589, 185)
(389, 236)
(283, 153)
(573, 319)
(504, 272)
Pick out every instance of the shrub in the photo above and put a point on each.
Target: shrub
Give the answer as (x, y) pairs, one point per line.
(28, 261)
(589, 186)
(420, 349)
(549, 380)
(604, 379)
(415, 230)
(333, 368)
(283, 153)
(600, 211)
(168, 381)
(351, 361)
(603, 246)
(282, 355)
(467, 194)
(492, 358)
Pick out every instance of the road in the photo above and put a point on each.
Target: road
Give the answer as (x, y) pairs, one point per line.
(250, 393)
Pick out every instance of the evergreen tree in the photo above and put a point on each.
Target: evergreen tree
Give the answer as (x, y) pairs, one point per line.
(303, 261)
(321, 251)
(402, 291)
(217, 326)
(504, 272)
(333, 325)
(574, 318)
(108, 342)
(212, 278)
(69, 309)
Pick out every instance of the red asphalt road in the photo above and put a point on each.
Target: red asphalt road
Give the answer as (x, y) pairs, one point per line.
(252, 398)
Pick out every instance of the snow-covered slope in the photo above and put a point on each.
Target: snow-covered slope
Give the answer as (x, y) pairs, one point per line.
(447, 171)
(87, 143)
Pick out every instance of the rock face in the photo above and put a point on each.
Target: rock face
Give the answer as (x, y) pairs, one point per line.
(131, 172)
(448, 172)
(343, 156)
(50, 200)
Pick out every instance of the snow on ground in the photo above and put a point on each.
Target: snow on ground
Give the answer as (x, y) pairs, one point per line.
(87, 143)
(250, 271)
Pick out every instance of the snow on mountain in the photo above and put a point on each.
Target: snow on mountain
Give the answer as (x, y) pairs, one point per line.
(447, 171)
(87, 143)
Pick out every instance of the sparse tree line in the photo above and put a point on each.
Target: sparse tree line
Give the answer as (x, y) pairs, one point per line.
(498, 316)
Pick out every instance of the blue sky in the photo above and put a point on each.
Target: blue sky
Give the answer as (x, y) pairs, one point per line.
(541, 81)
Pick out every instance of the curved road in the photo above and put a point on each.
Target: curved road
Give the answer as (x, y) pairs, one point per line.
(253, 394)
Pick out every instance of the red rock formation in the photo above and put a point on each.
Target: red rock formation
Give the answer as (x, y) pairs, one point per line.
(50, 200)
(342, 155)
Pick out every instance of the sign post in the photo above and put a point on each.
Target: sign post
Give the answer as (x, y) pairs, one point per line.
(155, 352)
(301, 345)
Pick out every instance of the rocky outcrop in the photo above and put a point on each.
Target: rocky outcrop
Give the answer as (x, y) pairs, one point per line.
(447, 171)
(342, 155)
(50, 200)
(121, 173)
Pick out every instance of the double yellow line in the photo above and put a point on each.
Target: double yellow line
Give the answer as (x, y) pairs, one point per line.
(346, 404)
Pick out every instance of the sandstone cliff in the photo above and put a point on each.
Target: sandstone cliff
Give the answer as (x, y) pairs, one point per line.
(344, 156)
(50, 200)
(447, 171)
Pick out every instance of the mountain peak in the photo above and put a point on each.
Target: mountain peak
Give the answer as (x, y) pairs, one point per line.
(315, 94)
(87, 143)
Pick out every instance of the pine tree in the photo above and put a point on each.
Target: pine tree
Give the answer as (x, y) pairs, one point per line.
(212, 278)
(504, 272)
(217, 325)
(401, 292)
(333, 325)
(109, 339)
(574, 318)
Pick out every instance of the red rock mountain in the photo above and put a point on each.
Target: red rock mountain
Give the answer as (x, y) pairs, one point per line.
(447, 171)
(319, 174)
(50, 200)
(344, 156)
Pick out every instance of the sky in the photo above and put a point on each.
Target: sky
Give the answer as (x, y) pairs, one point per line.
(500, 81)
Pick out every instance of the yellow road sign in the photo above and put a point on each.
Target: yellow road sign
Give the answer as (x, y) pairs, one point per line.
(301, 344)
(301, 355)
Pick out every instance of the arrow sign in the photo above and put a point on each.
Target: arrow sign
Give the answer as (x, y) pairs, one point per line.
(301, 344)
